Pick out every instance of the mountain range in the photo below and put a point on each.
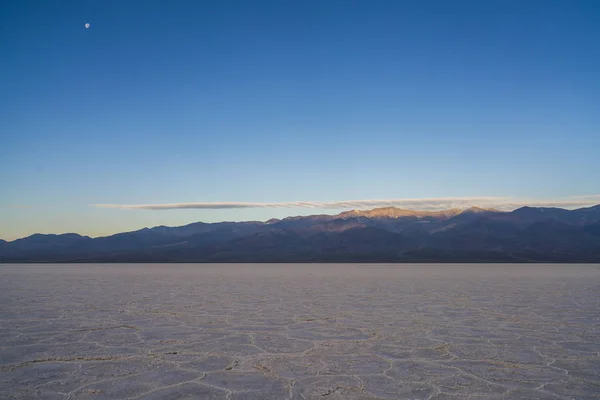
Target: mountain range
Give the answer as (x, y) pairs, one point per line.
(527, 234)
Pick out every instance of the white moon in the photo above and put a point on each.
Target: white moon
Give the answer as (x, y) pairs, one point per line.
(87, 26)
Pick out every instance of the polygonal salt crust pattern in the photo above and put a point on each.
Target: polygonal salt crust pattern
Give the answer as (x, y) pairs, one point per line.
(368, 332)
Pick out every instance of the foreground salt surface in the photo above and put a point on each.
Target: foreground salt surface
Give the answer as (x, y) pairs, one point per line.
(300, 331)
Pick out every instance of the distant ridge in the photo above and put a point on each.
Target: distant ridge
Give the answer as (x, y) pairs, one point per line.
(393, 212)
(388, 234)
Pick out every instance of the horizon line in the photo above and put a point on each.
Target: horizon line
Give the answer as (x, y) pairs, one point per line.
(519, 205)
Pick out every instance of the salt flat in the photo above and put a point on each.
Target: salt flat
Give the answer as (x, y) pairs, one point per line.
(299, 331)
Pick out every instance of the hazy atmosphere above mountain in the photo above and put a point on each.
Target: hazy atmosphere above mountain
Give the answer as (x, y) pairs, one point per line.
(117, 116)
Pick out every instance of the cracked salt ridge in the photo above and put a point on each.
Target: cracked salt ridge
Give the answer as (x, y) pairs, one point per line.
(306, 332)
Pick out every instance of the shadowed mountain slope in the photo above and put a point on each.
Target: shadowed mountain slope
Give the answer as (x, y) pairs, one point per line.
(527, 234)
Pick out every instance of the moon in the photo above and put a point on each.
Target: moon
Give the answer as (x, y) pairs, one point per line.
(87, 25)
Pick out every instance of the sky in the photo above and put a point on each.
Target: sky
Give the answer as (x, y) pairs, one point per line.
(332, 103)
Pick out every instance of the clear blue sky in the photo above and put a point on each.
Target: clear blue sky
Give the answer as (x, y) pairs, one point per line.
(266, 101)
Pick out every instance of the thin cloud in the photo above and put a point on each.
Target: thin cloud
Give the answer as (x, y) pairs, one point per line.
(426, 204)
(587, 197)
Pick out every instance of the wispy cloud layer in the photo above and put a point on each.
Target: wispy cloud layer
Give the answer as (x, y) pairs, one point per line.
(426, 204)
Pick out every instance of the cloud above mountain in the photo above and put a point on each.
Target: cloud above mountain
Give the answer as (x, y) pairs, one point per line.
(425, 204)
